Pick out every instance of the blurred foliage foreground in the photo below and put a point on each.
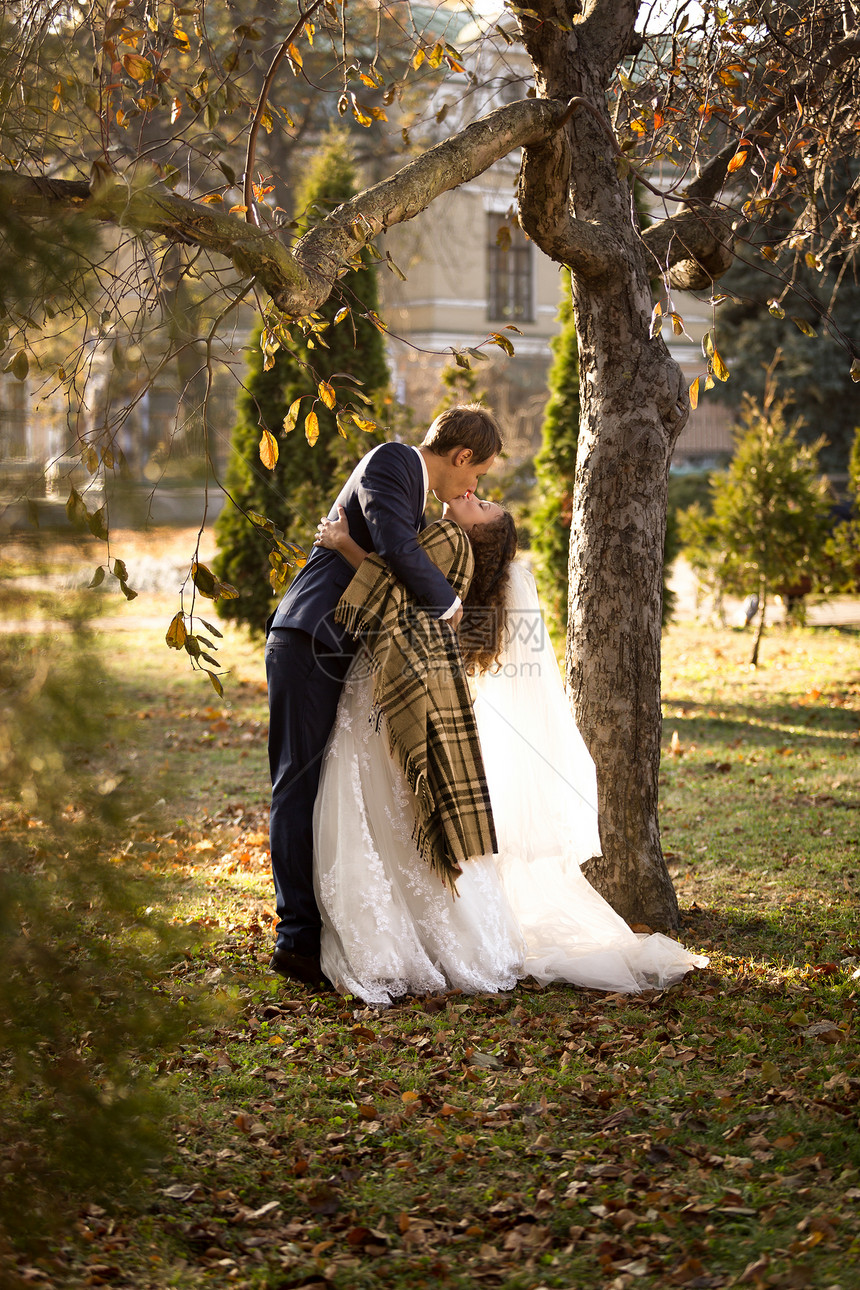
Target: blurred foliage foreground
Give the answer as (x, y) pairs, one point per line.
(83, 1000)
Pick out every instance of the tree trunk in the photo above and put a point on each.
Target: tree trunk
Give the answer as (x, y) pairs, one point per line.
(760, 631)
(616, 567)
(625, 444)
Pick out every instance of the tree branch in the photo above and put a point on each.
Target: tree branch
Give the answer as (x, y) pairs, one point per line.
(606, 33)
(411, 190)
(693, 247)
(544, 206)
(255, 252)
(300, 281)
(705, 188)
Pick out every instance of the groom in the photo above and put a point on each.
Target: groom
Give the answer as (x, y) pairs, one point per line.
(308, 654)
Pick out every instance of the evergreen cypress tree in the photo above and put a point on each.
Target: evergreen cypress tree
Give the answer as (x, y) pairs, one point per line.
(306, 476)
(555, 464)
(768, 528)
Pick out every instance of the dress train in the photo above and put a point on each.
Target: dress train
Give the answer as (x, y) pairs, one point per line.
(390, 927)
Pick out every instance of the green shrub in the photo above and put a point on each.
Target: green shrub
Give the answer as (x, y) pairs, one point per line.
(81, 1007)
(306, 478)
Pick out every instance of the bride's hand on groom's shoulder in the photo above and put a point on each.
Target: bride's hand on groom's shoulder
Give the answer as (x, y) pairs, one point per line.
(332, 533)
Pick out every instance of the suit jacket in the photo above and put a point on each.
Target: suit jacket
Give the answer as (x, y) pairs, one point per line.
(384, 503)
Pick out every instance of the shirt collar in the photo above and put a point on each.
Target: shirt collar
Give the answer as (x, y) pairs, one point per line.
(424, 473)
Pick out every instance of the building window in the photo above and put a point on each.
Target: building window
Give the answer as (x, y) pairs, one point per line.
(509, 272)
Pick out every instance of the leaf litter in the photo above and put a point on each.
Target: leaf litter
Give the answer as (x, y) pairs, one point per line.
(702, 1136)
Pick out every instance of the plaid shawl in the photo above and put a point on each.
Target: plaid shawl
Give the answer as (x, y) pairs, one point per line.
(420, 688)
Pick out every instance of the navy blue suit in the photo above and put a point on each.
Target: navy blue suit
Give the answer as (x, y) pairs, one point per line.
(307, 658)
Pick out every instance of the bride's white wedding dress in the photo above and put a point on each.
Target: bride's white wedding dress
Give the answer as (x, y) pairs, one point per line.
(390, 927)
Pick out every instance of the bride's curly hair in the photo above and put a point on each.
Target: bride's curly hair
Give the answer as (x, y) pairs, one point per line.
(481, 631)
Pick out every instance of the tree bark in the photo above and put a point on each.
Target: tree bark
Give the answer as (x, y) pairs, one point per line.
(760, 628)
(634, 405)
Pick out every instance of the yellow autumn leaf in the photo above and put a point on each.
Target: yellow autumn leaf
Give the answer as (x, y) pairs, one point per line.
(656, 320)
(216, 684)
(18, 365)
(721, 372)
(327, 394)
(204, 580)
(211, 197)
(503, 342)
(360, 114)
(737, 161)
(418, 58)
(804, 326)
(312, 428)
(268, 450)
(176, 634)
(295, 55)
(292, 415)
(694, 394)
(139, 69)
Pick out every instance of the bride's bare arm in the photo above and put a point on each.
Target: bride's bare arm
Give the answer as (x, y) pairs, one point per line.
(334, 534)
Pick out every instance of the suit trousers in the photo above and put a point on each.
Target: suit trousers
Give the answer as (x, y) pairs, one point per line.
(305, 680)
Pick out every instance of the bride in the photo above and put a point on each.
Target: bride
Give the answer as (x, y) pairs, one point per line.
(390, 925)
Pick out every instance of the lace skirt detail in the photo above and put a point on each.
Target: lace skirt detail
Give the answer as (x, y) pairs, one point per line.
(390, 927)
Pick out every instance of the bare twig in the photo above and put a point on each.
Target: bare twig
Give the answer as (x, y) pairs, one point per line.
(248, 185)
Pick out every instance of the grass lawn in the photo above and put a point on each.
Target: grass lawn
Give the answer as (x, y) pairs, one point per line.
(703, 1136)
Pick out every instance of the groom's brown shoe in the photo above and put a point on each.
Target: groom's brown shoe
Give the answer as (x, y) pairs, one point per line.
(298, 967)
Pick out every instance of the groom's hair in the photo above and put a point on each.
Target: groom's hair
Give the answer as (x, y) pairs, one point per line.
(467, 426)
